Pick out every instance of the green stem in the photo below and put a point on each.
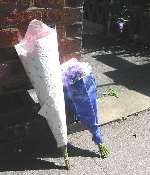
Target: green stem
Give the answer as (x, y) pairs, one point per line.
(103, 151)
(66, 158)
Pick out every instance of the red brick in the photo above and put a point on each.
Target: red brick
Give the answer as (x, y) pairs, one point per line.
(9, 37)
(60, 31)
(29, 15)
(21, 20)
(54, 16)
(68, 46)
(73, 3)
(67, 57)
(7, 6)
(74, 30)
(15, 18)
(65, 16)
(72, 15)
(9, 20)
(49, 3)
(23, 4)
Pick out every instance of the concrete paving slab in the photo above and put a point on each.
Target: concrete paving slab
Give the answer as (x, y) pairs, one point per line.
(126, 74)
(128, 102)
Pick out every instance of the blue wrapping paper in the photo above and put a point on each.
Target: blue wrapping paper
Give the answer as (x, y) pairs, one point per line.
(80, 98)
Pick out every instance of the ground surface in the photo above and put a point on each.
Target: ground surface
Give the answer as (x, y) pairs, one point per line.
(128, 139)
(118, 64)
(123, 68)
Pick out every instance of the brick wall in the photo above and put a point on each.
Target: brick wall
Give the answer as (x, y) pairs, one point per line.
(15, 16)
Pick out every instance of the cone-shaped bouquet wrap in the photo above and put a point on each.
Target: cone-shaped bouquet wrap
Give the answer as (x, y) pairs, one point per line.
(38, 52)
(80, 95)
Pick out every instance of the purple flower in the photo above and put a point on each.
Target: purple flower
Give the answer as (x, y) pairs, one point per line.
(72, 74)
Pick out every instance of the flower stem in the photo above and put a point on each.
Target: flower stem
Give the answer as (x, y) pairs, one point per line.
(103, 151)
(66, 159)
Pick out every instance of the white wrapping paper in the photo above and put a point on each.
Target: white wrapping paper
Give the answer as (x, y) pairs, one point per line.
(39, 55)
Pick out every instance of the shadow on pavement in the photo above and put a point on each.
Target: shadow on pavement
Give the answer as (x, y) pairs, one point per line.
(25, 137)
(22, 164)
(115, 45)
(75, 152)
(134, 77)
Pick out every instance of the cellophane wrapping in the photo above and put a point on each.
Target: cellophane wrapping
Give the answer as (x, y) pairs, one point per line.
(80, 95)
(38, 52)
